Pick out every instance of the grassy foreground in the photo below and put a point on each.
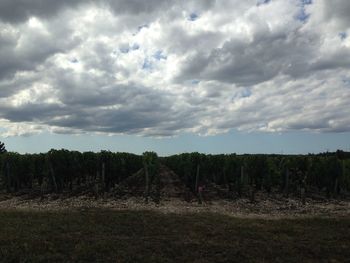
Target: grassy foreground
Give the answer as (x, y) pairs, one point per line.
(134, 236)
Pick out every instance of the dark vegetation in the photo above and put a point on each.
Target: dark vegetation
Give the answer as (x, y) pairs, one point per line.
(318, 175)
(325, 175)
(2, 148)
(131, 236)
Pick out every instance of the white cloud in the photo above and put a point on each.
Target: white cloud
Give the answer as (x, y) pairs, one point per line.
(159, 68)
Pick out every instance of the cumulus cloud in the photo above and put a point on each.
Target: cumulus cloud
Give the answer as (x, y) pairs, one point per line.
(162, 67)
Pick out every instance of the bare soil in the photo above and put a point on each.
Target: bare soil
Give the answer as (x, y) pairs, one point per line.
(264, 207)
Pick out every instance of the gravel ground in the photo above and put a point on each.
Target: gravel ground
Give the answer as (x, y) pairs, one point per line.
(263, 208)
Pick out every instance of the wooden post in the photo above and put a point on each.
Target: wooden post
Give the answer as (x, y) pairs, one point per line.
(157, 195)
(200, 196)
(147, 182)
(251, 186)
(197, 179)
(303, 196)
(225, 177)
(103, 177)
(241, 181)
(198, 191)
(286, 182)
(97, 181)
(214, 178)
(267, 183)
(335, 191)
(42, 188)
(52, 172)
(252, 191)
(303, 189)
(8, 178)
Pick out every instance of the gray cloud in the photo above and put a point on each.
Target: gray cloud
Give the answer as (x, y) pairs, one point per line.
(92, 66)
(337, 10)
(333, 60)
(15, 11)
(251, 62)
(31, 112)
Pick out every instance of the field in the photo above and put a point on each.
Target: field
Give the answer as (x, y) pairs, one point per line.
(105, 235)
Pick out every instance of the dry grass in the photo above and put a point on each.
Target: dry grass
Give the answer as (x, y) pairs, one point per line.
(100, 235)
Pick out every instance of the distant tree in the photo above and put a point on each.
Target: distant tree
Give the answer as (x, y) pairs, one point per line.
(2, 148)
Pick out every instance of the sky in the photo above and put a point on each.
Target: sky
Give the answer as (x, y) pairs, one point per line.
(252, 76)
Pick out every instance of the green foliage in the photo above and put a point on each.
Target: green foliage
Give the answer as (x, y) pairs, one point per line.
(2, 148)
(63, 170)
(151, 161)
(326, 172)
(151, 169)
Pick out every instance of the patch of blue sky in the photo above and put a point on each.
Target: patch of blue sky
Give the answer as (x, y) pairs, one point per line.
(147, 64)
(124, 50)
(243, 93)
(262, 2)
(343, 35)
(193, 17)
(302, 15)
(159, 55)
(306, 2)
(139, 28)
(135, 46)
(195, 82)
(129, 48)
(246, 93)
(346, 81)
(74, 60)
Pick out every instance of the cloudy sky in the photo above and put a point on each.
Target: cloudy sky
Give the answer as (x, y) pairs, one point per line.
(173, 76)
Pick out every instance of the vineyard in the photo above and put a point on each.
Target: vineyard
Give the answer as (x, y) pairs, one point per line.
(197, 176)
(68, 206)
